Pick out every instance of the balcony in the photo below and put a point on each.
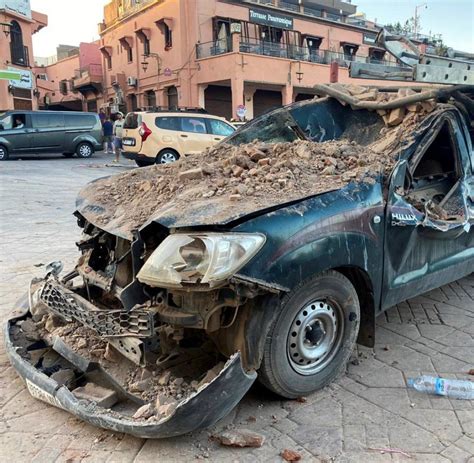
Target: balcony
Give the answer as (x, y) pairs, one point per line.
(88, 79)
(291, 52)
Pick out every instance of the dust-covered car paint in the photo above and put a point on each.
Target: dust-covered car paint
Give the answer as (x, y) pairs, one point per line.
(388, 239)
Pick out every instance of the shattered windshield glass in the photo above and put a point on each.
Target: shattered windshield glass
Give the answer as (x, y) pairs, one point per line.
(316, 120)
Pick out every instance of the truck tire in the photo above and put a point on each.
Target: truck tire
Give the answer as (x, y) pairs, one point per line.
(167, 156)
(312, 337)
(3, 153)
(84, 150)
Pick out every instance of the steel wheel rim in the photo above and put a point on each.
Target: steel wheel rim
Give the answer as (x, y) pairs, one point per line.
(85, 150)
(167, 158)
(315, 337)
(2, 153)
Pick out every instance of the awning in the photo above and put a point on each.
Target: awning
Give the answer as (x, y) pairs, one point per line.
(126, 41)
(106, 51)
(377, 49)
(143, 33)
(168, 21)
(349, 44)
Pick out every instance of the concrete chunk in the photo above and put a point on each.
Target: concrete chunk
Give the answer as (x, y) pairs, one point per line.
(103, 397)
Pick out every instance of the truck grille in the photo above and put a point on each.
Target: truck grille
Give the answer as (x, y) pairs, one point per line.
(108, 323)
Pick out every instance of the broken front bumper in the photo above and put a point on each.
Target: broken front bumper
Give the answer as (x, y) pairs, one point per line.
(202, 409)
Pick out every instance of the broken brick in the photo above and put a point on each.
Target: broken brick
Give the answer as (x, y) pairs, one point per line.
(191, 174)
(103, 397)
(396, 116)
(241, 438)
(290, 455)
(143, 412)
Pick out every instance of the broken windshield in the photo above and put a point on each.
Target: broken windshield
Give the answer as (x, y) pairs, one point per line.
(316, 120)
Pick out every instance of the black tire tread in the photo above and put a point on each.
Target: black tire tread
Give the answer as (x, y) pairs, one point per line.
(265, 372)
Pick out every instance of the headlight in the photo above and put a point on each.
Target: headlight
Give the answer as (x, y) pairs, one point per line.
(199, 258)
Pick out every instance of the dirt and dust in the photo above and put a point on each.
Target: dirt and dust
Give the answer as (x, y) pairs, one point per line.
(241, 179)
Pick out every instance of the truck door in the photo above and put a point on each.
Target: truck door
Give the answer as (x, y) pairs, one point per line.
(48, 132)
(429, 239)
(17, 132)
(193, 137)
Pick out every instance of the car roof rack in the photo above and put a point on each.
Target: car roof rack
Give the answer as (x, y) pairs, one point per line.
(166, 109)
(415, 66)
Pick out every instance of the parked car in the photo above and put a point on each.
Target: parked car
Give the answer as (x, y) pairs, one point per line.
(161, 137)
(36, 132)
(269, 262)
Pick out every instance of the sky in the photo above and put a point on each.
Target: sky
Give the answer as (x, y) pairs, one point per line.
(454, 19)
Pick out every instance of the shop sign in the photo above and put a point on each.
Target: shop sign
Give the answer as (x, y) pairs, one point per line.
(24, 81)
(22, 7)
(270, 19)
(369, 38)
(167, 72)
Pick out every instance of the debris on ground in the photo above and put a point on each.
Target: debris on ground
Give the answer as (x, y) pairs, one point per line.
(241, 438)
(290, 455)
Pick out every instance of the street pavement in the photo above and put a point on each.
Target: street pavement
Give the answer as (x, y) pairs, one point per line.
(368, 415)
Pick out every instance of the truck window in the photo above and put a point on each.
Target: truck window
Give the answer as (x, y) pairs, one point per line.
(132, 121)
(168, 123)
(220, 128)
(80, 121)
(6, 123)
(47, 121)
(193, 125)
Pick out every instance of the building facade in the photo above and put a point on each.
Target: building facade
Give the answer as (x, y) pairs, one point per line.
(230, 56)
(17, 82)
(73, 82)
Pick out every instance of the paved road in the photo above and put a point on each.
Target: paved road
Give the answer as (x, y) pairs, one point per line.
(368, 409)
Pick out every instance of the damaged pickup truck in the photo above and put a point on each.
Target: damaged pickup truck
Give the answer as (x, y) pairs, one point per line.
(268, 256)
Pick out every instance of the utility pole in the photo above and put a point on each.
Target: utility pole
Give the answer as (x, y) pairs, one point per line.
(425, 5)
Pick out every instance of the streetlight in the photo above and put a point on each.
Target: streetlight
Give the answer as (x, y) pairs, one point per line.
(6, 27)
(145, 65)
(425, 5)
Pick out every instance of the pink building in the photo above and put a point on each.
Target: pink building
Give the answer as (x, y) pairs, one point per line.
(72, 83)
(228, 54)
(17, 83)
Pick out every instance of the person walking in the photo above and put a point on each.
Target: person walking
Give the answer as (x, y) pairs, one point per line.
(118, 133)
(108, 129)
(102, 116)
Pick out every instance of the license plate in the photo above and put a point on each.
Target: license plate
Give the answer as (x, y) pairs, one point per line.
(42, 395)
(128, 141)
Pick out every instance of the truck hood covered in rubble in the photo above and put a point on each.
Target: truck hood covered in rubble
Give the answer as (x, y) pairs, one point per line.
(242, 177)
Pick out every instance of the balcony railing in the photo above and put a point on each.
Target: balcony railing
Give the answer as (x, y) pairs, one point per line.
(280, 50)
(217, 47)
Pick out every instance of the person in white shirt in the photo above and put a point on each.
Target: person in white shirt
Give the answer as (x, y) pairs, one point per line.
(118, 133)
(19, 124)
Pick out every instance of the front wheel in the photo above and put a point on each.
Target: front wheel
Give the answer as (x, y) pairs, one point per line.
(312, 337)
(167, 156)
(3, 153)
(84, 150)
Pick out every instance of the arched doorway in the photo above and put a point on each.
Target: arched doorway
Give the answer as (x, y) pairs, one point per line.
(150, 99)
(172, 94)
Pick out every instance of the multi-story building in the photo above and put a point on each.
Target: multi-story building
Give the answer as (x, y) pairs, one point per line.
(229, 54)
(72, 80)
(17, 26)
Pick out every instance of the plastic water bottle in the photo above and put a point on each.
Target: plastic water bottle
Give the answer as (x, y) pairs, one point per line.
(453, 388)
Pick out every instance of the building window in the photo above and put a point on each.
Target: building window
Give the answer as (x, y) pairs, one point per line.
(109, 61)
(349, 50)
(63, 87)
(150, 99)
(133, 103)
(146, 46)
(19, 52)
(130, 54)
(172, 97)
(168, 37)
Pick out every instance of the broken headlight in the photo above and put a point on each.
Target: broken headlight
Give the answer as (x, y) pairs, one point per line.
(199, 258)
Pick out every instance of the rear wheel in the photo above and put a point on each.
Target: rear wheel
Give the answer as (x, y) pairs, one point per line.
(167, 156)
(68, 155)
(313, 336)
(3, 153)
(84, 150)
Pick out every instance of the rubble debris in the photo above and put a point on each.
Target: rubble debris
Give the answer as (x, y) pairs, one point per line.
(301, 400)
(29, 328)
(64, 377)
(289, 171)
(241, 438)
(290, 455)
(103, 397)
(144, 412)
